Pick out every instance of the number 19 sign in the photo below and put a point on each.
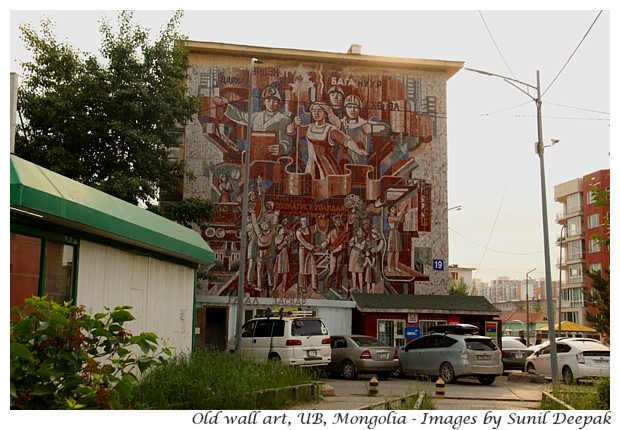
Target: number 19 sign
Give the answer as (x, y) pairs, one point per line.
(438, 265)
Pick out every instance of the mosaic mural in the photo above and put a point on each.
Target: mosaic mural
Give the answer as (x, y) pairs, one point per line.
(337, 202)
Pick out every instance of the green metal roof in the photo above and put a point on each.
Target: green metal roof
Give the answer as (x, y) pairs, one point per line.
(64, 201)
(424, 303)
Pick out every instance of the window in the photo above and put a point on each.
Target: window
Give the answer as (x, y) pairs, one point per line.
(574, 250)
(574, 203)
(575, 298)
(425, 325)
(480, 344)
(595, 245)
(391, 332)
(58, 271)
(41, 266)
(593, 221)
(570, 316)
(574, 226)
(263, 328)
(248, 329)
(562, 347)
(596, 267)
(338, 342)
(575, 274)
(308, 328)
(591, 197)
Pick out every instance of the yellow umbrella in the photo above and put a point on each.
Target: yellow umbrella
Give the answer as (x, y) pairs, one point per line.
(569, 326)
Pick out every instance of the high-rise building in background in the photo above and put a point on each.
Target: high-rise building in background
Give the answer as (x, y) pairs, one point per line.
(582, 224)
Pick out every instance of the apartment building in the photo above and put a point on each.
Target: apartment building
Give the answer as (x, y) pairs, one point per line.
(581, 221)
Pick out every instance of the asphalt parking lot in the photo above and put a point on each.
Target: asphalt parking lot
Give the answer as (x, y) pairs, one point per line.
(465, 394)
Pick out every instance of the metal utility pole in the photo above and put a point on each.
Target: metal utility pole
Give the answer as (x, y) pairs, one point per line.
(527, 304)
(540, 150)
(244, 218)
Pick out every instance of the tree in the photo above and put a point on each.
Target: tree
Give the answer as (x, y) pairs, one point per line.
(598, 296)
(458, 288)
(108, 124)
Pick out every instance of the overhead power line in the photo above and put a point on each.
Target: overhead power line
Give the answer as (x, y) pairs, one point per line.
(495, 43)
(571, 55)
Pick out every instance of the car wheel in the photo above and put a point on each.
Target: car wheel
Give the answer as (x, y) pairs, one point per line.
(348, 370)
(398, 372)
(486, 380)
(446, 371)
(530, 368)
(567, 375)
(274, 358)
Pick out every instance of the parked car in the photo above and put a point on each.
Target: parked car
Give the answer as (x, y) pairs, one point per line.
(534, 348)
(353, 355)
(451, 356)
(577, 359)
(514, 354)
(293, 338)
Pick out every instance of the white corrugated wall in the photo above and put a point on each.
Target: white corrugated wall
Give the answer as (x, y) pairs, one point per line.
(161, 292)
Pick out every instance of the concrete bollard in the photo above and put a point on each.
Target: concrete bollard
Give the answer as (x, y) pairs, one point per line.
(373, 387)
(440, 389)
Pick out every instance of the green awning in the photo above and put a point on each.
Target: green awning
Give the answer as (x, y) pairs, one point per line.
(64, 201)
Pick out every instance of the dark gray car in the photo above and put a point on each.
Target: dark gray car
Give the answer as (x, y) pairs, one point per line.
(514, 354)
(358, 354)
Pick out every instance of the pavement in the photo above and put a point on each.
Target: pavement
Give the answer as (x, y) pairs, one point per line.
(506, 393)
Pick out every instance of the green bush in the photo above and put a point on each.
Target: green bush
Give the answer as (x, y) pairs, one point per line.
(62, 358)
(210, 379)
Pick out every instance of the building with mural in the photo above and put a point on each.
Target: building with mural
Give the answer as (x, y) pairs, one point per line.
(347, 189)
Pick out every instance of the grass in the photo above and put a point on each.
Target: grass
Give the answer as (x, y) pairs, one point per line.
(210, 379)
(594, 396)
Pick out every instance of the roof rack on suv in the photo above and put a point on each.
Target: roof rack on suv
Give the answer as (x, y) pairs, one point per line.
(455, 329)
(290, 313)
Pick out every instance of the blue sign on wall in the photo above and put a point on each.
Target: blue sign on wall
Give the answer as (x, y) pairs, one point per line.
(412, 332)
(438, 265)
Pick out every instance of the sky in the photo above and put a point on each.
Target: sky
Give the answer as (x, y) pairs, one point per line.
(494, 175)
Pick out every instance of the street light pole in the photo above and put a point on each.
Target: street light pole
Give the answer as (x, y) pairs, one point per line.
(244, 218)
(527, 304)
(540, 150)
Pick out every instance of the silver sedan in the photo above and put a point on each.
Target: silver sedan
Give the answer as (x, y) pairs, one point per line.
(353, 355)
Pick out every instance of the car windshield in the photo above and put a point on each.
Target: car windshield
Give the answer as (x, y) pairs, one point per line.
(307, 327)
(367, 341)
(480, 344)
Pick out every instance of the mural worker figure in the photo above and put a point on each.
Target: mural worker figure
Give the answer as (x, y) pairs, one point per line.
(335, 95)
(395, 238)
(307, 264)
(335, 243)
(322, 135)
(225, 188)
(359, 129)
(357, 261)
(282, 241)
(268, 119)
(265, 233)
(374, 241)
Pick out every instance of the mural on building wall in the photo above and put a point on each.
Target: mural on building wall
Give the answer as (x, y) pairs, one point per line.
(335, 205)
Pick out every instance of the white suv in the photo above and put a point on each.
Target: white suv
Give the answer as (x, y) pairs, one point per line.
(293, 338)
